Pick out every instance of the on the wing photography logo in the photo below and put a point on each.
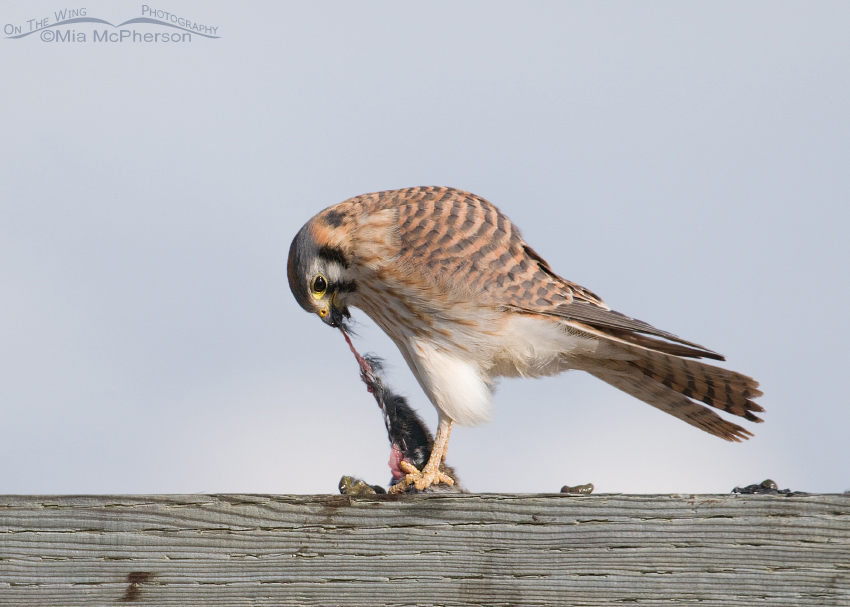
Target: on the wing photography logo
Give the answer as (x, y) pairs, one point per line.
(76, 25)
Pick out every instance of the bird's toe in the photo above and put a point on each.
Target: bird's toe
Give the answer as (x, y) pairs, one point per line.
(420, 479)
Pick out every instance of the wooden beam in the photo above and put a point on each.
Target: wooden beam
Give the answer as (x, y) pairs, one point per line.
(449, 549)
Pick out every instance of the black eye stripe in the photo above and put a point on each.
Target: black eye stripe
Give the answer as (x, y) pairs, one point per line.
(347, 286)
(333, 254)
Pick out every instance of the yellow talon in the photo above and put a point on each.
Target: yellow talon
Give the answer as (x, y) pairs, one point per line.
(421, 480)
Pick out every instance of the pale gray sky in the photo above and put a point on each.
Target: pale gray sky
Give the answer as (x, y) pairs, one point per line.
(686, 161)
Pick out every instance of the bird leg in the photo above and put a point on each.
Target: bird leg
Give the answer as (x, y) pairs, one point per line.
(431, 473)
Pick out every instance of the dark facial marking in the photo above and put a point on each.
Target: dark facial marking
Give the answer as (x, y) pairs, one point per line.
(335, 218)
(333, 254)
(346, 286)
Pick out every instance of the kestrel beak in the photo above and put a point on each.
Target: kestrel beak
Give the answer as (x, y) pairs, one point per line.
(333, 315)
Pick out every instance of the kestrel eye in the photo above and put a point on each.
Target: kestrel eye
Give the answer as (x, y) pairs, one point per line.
(320, 285)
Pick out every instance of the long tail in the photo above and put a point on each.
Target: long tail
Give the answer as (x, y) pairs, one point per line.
(677, 386)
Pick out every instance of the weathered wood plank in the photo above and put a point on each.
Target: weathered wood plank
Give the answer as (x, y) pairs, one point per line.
(444, 549)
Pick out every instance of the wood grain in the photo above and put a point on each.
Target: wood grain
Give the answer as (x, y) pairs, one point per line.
(425, 550)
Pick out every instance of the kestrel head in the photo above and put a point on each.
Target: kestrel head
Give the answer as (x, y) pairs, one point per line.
(318, 271)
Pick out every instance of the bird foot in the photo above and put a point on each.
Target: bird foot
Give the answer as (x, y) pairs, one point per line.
(421, 480)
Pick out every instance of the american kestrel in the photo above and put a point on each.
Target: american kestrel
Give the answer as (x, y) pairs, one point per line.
(449, 278)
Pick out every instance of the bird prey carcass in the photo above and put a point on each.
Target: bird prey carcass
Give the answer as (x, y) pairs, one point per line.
(450, 280)
(410, 441)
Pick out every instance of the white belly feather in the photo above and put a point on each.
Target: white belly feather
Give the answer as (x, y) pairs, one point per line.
(460, 382)
(454, 383)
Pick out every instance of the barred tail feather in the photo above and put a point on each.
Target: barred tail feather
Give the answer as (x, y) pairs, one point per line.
(679, 386)
(668, 400)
